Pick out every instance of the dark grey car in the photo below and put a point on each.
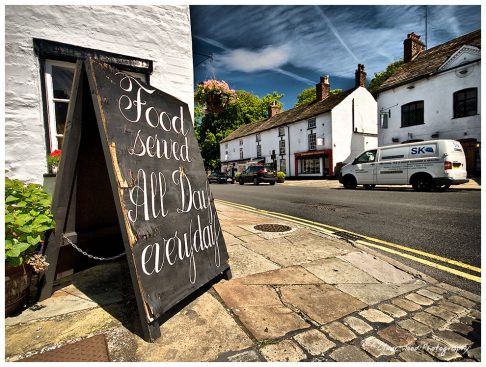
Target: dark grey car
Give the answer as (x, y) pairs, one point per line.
(257, 174)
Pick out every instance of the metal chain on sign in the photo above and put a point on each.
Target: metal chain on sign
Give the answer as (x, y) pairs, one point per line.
(91, 256)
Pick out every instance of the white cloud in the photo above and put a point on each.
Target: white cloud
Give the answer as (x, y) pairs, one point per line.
(250, 61)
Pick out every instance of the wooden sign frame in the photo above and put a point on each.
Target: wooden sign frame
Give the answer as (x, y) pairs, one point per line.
(132, 179)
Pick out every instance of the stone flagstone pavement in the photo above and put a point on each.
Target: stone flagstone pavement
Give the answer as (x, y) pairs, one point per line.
(295, 296)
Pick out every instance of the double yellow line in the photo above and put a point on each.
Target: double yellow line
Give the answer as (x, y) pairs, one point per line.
(372, 242)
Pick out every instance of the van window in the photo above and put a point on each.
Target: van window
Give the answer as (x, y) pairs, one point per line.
(367, 157)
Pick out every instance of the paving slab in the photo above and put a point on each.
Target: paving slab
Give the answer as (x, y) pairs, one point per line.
(231, 240)
(376, 347)
(441, 312)
(461, 301)
(241, 356)
(26, 337)
(337, 271)
(460, 328)
(415, 327)
(350, 353)
(357, 325)
(285, 351)
(237, 295)
(376, 316)
(474, 354)
(429, 320)
(459, 310)
(270, 322)
(339, 332)
(429, 294)
(377, 268)
(202, 331)
(322, 303)
(466, 294)
(396, 336)
(406, 304)
(437, 290)
(392, 310)
(314, 342)
(236, 231)
(245, 262)
(452, 339)
(372, 294)
(421, 300)
(438, 350)
(283, 276)
(414, 356)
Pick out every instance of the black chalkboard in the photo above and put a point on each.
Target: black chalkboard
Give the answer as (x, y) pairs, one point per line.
(132, 176)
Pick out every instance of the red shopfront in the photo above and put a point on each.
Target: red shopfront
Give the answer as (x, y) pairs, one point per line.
(314, 163)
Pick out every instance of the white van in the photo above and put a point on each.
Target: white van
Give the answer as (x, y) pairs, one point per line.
(424, 165)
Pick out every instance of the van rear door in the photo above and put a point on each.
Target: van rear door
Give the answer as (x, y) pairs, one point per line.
(456, 169)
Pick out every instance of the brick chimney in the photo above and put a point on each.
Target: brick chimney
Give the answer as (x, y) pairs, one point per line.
(360, 76)
(322, 88)
(412, 46)
(273, 109)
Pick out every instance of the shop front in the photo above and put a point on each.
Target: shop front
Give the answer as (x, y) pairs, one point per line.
(315, 163)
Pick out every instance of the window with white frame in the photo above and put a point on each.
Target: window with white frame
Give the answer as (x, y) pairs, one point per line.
(312, 141)
(281, 131)
(281, 146)
(226, 145)
(241, 141)
(311, 123)
(58, 78)
(259, 151)
(258, 137)
(241, 153)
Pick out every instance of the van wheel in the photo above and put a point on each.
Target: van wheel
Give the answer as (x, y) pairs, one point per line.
(369, 187)
(422, 182)
(349, 182)
(241, 181)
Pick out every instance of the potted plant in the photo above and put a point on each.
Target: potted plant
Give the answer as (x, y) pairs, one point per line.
(27, 217)
(280, 177)
(214, 95)
(53, 161)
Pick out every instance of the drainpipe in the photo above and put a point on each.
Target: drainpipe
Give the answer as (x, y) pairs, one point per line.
(288, 135)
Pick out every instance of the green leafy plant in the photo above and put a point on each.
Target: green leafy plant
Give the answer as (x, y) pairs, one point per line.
(280, 176)
(237, 175)
(214, 95)
(27, 217)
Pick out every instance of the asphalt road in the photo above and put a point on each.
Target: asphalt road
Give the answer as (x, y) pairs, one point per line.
(447, 224)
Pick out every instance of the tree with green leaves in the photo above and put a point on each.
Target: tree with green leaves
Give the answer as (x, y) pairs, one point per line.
(212, 127)
(381, 76)
(308, 95)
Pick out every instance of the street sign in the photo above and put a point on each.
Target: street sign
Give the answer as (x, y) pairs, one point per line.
(132, 155)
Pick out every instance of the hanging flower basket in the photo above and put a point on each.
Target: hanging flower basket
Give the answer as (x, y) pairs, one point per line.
(214, 95)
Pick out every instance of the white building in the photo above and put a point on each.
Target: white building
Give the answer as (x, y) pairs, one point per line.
(42, 44)
(435, 95)
(308, 140)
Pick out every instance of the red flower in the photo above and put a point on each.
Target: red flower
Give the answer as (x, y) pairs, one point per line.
(56, 153)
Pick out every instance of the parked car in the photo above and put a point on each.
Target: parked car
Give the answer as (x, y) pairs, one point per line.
(220, 177)
(424, 165)
(257, 174)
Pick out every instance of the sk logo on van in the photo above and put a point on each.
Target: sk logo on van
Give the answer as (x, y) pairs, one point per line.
(421, 150)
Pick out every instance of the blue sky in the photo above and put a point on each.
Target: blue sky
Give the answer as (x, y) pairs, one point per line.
(286, 49)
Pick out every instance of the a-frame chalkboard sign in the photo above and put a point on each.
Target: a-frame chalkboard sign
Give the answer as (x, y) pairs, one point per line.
(132, 179)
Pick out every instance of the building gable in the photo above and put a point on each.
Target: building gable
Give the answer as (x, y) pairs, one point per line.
(464, 55)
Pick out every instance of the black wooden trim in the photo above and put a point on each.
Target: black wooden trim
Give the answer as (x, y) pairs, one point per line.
(45, 109)
(46, 49)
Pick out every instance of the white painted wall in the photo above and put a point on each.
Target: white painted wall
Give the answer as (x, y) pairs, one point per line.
(437, 94)
(158, 33)
(347, 144)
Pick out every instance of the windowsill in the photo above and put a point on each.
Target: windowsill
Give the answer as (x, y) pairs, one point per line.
(402, 127)
(463, 117)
